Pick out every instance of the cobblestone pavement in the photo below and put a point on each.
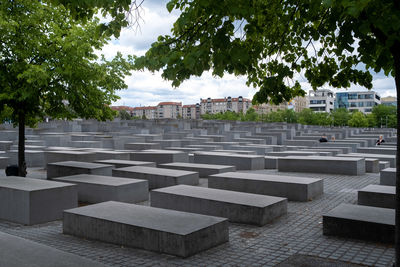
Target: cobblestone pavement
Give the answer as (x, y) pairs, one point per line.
(298, 232)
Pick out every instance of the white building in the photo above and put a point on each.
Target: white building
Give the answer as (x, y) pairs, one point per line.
(145, 112)
(322, 100)
(191, 111)
(217, 105)
(169, 110)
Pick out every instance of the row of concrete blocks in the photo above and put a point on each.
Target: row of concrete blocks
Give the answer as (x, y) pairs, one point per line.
(373, 218)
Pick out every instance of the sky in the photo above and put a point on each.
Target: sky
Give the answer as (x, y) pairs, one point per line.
(148, 89)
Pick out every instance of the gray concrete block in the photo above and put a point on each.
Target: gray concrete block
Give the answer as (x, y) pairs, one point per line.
(384, 165)
(118, 155)
(236, 206)
(312, 164)
(372, 165)
(160, 230)
(3, 162)
(388, 177)
(21, 252)
(271, 162)
(204, 170)
(160, 156)
(290, 187)
(377, 196)
(377, 150)
(32, 201)
(241, 162)
(361, 222)
(69, 155)
(97, 188)
(142, 146)
(67, 168)
(158, 177)
(125, 163)
(390, 158)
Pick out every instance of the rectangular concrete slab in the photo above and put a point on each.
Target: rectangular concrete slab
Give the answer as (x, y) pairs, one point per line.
(97, 188)
(312, 164)
(290, 187)
(204, 170)
(388, 177)
(158, 177)
(126, 163)
(160, 156)
(241, 162)
(165, 231)
(21, 252)
(32, 201)
(236, 206)
(361, 222)
(377, 196)
(67, 168)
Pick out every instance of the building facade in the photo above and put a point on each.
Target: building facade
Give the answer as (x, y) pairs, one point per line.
(362, 101)
(389, 101)
(191, 111)
(322, 100)
(217, 105)
(145, 112)
(169, 110)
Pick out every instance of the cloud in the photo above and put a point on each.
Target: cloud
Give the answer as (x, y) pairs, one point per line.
(146, 88)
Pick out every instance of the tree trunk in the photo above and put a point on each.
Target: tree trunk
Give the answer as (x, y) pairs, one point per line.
(396, 57)
(21, 145)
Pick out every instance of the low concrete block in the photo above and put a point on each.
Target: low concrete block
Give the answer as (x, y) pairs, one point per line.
(160, 230)
(236, 206)
(290, 187)
(204, 170)
(67, 168)
(384, 165)
(361, 222)
(97, 188)
(377, 196)
(158, 177)
(3, 162)
(271, 162)
(372, 165)
(142, 146)
(69, 155)
(32, 201)
(118, 155)
(311, 164)
(160, 156)
(388, 177)
(125, 163)
(241, 162)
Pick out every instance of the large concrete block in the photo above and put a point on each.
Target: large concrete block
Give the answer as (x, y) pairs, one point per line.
(97, 188)
(388, 177)
(204, 170)
(33, 158)
(3, 162)
(290, 187)
(69, 155)
(32, 201)
(241, 162)
(377, 196)
(381, 157)
(377, 150)
(236, 206)
(312, 164)
(361, 222)
(142, 146)
(158, 177)
(126, 163)
(160, 156)
(67, 168)
(160, 230)
(21, 252)
(105, 154)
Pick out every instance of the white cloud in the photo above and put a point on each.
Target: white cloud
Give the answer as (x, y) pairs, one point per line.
(145, 88)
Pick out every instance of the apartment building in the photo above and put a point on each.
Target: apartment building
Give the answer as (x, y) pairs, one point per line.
(389, 101)
(362, 101)
(218, 105)
(322, 100)
(145, 112)
(191, 111)
(169, 110)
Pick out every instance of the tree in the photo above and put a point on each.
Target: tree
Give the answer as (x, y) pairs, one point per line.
(358, 119)
(306, 117)
(385, 116)
(48, 66)
(269, 40)
(124, 115)
(250, 115)
(340, 117)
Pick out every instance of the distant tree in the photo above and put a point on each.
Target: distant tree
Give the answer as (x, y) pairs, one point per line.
(6, 114)
(358, 119)
(48, 66)
(251, 115)
(371, 120)
(290, 116)
(124, 115)
(386, 116)
(340, 117)
(322, 118)
(306, 117)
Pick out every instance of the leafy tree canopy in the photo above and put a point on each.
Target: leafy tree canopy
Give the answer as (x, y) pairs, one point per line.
(358, 119)
(269, 40)
(385, 116)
